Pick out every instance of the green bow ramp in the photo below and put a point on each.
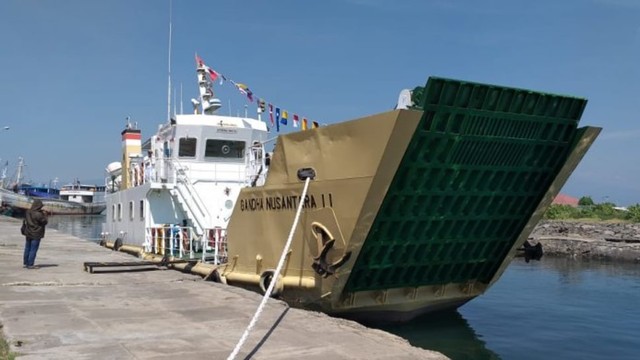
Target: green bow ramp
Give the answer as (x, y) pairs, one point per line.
(476, 168)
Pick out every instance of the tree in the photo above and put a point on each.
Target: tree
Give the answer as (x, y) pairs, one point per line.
(585, 201)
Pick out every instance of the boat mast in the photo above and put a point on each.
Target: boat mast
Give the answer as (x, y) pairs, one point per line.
(4, 174)
(19, 170)
(208, 104)
(169, 71)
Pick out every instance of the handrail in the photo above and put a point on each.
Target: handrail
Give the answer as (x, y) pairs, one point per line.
(169, 238)
(183, 180)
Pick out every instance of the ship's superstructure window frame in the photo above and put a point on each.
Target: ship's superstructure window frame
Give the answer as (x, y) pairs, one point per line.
(141, 210)
(224, 149)
(131, 212)
(187, 147)
(113, 212)
(119, 212)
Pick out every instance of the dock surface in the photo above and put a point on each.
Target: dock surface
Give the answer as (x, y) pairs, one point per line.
(61, 311)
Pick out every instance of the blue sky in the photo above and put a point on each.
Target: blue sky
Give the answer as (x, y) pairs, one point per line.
(71, 71)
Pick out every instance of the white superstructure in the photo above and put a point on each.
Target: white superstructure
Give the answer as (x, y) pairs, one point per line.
(176, 192)
(83, 193)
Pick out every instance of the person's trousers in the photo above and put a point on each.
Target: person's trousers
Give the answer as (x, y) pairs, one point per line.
(30, 250)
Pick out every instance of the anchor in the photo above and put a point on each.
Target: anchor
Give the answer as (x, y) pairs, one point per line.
(325, 241)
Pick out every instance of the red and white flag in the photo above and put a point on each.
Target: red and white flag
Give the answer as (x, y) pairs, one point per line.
(296, 120)
(271, 114)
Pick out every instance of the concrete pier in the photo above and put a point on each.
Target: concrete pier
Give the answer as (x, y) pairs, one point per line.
(62, 312)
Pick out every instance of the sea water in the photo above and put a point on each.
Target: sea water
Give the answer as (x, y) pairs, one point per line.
(87, 227)
(557, 308)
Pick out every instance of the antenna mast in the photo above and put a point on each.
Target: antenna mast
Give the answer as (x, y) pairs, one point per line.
(169, 85)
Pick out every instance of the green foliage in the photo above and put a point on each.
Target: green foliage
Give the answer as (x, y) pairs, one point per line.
(586, 201)
(5, 351)
(633, 213)
(603, 211)
(561, 212)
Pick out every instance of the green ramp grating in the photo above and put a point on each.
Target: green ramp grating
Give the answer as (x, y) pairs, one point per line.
(480, 161)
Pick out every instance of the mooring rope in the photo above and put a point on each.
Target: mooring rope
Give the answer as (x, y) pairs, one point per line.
(274, 278)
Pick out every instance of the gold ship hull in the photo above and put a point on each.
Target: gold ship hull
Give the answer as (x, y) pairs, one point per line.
(408, 211)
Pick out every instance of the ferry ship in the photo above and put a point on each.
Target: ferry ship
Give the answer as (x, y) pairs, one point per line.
(388, 216)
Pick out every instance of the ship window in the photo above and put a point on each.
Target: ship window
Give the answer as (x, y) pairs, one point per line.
(119, 212)
(141, 211)
(187, 147)
(224, 149)
(113, 212)
(130, 210)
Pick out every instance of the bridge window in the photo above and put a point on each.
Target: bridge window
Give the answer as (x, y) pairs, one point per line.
(224, 149)
(187, 147)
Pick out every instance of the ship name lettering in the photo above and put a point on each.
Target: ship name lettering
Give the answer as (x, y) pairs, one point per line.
(252, 204)
(275, 203)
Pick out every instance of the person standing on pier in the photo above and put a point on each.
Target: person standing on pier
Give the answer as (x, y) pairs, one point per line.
(35, 222)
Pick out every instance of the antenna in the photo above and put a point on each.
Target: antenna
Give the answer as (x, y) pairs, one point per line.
(174, 101)
(169, 72)
(181, 110)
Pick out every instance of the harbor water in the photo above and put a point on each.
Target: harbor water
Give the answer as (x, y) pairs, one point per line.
(558, 308)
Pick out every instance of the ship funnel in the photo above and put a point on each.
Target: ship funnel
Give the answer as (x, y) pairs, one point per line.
(131, 146)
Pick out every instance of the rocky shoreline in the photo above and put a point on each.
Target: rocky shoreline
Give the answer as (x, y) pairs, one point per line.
(592, 240)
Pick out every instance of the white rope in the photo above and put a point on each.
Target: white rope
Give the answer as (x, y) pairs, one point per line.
(274, 278)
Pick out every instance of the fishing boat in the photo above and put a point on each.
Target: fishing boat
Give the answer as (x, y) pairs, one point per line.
(388, 216)
(17, 204)
(39, 191)
(72, 199)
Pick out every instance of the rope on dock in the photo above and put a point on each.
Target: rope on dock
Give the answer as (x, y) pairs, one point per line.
(274, 279)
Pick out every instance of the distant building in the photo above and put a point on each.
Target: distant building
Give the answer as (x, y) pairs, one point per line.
(563, 199)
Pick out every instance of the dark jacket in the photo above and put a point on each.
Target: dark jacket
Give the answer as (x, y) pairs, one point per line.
(35, 220)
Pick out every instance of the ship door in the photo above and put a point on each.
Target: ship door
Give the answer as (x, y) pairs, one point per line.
(164, 168)
(256, 163)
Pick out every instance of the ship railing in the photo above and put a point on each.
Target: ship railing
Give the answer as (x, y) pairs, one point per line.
(169, 170)
(182, 176)
(214, 243)
(183, 242)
